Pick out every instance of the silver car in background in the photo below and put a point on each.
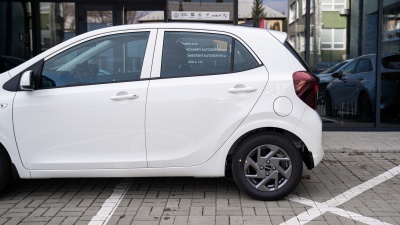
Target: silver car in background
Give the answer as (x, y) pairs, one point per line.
(354, 89)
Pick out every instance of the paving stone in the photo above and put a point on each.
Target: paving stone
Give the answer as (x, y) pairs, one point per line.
(14, 221)
(184, 201)
(56, 220)
(3, 220)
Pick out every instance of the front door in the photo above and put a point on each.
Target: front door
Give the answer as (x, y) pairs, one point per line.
(89, 109)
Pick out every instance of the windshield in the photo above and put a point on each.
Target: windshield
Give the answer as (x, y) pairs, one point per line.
(335, 67)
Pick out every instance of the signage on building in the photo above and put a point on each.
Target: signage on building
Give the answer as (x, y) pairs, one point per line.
(196, 15)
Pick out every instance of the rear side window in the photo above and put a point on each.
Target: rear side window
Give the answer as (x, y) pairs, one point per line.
(243, 60)
(194, 54)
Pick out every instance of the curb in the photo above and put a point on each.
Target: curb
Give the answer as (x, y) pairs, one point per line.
(360, 151)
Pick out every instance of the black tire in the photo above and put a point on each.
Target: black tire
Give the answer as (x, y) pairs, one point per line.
(5, 169)
(329, 107)
(272, 185)
(364, 107)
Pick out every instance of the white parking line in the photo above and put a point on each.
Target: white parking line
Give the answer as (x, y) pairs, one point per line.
(331, 205)
(110, 205)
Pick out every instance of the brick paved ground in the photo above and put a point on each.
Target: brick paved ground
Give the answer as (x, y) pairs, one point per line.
(207, 201)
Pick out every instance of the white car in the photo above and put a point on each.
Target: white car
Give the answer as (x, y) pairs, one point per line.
(172, 99)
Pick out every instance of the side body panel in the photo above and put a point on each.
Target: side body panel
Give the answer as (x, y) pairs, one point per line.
(7, 138)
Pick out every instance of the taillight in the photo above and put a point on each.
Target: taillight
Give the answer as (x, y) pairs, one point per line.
(306, 87)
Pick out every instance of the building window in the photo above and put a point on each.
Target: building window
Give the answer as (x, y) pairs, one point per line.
(297, 9)
(333, 39)
(292, 41)
(333, 5)
(302, 42)
(304, 6)
(292, 13)
(312, 6)
(57, 23)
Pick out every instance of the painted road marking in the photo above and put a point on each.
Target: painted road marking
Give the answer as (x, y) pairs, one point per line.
(111, 204)
(331, 205)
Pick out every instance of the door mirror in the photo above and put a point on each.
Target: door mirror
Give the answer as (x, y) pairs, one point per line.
(27, 82)
(337, 74)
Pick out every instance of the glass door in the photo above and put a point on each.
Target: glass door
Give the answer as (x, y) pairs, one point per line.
(92, 17)
(95, 17)
(390, 68)
(131, 15)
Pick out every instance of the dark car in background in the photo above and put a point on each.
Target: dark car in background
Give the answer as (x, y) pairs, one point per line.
(9, 62)
(354, 89)
(325, 77)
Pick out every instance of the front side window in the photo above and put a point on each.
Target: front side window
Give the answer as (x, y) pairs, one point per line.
(193, 54)
(114, 58)
(350, 69)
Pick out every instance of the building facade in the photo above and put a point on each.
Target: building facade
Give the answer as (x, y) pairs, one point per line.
(362, 38)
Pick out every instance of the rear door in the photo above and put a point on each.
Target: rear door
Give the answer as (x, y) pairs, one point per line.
(203, 86)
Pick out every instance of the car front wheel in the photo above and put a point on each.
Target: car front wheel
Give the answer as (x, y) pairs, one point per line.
(5, 169)
(267, 166)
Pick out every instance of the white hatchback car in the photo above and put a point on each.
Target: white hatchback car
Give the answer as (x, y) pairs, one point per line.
(172, 99)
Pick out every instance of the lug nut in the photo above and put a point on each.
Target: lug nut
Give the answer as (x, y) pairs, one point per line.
(261, 168)
(268, 162)
(267, 174)
(274, 168)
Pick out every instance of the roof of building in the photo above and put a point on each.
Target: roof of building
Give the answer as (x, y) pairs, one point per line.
(244, 12)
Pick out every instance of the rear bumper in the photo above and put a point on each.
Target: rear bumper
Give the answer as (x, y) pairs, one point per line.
(309, 130)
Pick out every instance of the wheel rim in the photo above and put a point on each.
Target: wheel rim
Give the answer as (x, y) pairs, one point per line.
(267, 167)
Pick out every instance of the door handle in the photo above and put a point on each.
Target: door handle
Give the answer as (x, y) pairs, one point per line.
(242, 89)
(123, 97)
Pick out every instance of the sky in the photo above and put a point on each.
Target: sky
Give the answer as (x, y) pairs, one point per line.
(278, 5)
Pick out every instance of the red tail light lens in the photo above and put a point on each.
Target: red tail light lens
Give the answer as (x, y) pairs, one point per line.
(306, 87)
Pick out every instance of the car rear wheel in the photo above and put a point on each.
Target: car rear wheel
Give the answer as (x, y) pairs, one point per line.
(267, 166)
(5, 169)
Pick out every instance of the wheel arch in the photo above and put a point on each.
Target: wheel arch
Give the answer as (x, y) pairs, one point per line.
(301, 146)
(14, 171)
(370, 98)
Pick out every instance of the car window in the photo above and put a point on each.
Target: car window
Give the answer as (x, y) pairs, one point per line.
(364, 65)
(334, 68)
(391, 62)
(114, 58)
(243, 60)
(350, 69)
(192, 54)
